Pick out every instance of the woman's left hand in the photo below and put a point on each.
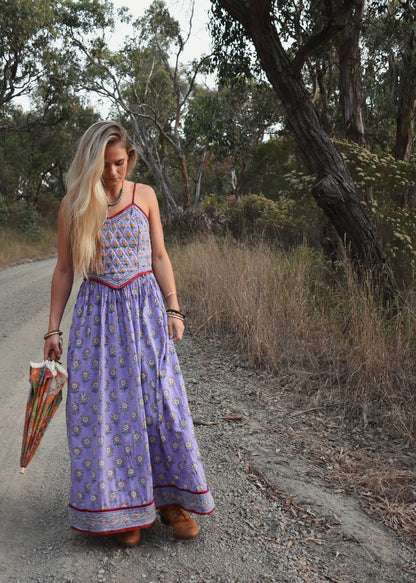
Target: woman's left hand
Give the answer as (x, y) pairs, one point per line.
(176, 328)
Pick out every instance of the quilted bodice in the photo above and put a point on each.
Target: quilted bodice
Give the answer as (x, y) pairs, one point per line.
(126, 248)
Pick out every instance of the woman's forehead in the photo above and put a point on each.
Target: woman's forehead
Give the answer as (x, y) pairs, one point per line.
(115, 151)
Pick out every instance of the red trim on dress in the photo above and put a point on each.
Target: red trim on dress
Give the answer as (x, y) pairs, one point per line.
(111, 509)
(115, 286)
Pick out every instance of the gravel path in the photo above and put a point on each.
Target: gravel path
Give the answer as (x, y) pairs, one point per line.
(275, 518)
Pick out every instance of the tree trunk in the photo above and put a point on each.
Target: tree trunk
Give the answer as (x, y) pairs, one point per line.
(155, 166)
(334, 190)
(406, 113)
(186, 197)
(349, 59)
(238, 180)
(158, 170)
(199, 178)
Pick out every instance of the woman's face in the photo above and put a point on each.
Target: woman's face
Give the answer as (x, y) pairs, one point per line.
(115, 165)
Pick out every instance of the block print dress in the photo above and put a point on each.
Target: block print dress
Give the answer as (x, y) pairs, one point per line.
(130, 431)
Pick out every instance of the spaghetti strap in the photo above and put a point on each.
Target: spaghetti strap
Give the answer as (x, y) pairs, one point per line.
(134, 192)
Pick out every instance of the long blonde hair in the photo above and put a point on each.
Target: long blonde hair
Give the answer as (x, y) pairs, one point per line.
(85, 208)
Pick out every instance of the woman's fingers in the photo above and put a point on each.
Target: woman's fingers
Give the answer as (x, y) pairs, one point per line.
(52, 344)
(176, 329)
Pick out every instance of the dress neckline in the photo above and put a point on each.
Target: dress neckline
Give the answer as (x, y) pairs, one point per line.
(123, 210)
(133, 203)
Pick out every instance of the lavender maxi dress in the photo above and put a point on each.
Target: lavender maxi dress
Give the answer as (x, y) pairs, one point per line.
(130, 431)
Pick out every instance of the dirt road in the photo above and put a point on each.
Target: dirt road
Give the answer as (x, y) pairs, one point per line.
(275, 520)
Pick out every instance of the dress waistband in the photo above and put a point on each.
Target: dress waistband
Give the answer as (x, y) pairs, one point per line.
(115, 281)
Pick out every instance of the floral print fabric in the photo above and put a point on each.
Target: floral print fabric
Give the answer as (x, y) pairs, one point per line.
(130, 431)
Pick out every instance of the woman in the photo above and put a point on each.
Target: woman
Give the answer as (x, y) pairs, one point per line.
(130, 432)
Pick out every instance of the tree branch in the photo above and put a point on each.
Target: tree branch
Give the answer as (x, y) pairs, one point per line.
(336, 23)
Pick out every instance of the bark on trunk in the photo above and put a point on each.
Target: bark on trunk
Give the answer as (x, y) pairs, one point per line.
(186, 198)
(238, 180)
(349, 59)
(162, 178)
(199, 178)
(405, 128)
(334, 190)
(407, 101)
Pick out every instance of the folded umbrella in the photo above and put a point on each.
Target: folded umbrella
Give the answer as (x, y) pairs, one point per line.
(46, 382)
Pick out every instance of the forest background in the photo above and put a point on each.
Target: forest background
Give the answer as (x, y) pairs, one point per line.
(265, 256)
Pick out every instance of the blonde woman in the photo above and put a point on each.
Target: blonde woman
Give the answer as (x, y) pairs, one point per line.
(130, 433)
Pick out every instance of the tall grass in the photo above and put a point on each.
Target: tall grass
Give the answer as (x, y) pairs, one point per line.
(17, 246)
(326, 337)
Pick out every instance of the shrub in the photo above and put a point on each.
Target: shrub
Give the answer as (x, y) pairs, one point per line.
(187, 224)
(254, 216)
(26, 219)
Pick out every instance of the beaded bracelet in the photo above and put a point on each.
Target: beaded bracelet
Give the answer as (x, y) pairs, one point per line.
(171, 312)
(52, 333)
(176, 317)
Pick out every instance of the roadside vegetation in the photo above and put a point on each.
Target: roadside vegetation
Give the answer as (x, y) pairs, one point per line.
(333, 350)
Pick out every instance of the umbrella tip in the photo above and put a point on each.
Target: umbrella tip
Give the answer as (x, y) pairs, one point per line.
(22, 470)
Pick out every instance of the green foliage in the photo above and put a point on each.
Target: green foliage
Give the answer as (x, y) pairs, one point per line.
(4, 211)
(35, 161)
(26, 218)
(255, 216)
(393, 186)
(271, 167)
(230, 123)
(26, 28)
(234, 55)
(47, 207)
(388, 177)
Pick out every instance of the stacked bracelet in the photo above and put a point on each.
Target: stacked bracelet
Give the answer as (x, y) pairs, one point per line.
(52, 333)
(175, 314)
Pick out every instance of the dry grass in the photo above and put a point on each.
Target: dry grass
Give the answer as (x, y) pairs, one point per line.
(288, 313)
(16, 247)
(332, 347)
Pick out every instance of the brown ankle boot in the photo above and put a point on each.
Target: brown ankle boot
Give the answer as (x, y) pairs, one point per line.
(128, 537)
(183, 525)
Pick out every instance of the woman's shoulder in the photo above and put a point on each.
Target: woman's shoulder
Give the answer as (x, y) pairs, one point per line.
(145, 197)
(144, 190)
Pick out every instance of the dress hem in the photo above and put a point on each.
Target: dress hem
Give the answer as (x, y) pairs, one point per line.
(92, 533)
(130, 515)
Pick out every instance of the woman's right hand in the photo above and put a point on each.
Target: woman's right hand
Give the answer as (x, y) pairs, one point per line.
(53, 344)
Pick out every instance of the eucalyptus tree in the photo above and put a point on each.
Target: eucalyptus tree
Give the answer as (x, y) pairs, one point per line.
(40, 112)
(26, 29)
(390, 44)
(230, 121)
(149, 88)
(334, 190)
